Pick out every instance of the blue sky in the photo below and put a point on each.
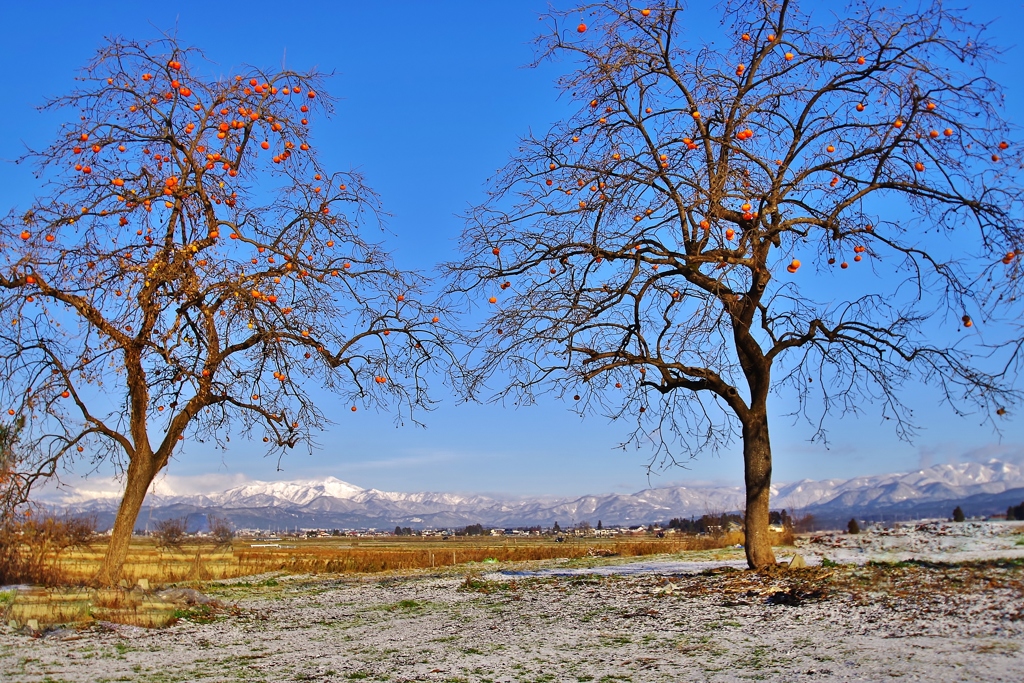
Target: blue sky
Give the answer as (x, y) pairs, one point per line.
(433, 99)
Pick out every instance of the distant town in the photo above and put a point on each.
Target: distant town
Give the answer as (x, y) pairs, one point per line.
(702, 526)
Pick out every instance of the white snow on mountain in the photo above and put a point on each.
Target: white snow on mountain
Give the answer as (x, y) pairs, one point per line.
(276, 493)
(332, 497)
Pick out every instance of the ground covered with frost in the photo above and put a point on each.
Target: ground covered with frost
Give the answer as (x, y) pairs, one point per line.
(936, 602)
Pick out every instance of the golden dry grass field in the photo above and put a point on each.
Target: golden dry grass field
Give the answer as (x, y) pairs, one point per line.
(68, 599)
(203, 562)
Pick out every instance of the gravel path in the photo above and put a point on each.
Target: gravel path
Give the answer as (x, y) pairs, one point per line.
(906, 621)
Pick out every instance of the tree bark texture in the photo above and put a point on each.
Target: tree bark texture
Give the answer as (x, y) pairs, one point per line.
(757, 474)
(141, 472)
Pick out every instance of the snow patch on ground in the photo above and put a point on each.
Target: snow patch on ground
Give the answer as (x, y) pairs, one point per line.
(932, 541)
(928, 541)
(696, 617)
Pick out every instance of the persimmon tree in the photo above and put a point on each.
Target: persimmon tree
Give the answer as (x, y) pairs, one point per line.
(813, 209)
(193, 271)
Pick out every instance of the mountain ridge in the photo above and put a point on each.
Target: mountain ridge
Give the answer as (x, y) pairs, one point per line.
(333, 503)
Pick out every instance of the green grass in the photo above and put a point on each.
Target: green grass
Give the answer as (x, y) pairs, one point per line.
(404, 606)
(200, 614)
(616, 640)
(717, 625)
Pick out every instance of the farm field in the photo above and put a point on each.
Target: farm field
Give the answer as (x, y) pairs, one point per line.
(203, 562)
(682, 616)
(70, 601)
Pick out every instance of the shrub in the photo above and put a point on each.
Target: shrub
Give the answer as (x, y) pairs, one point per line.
(221, 532)
(170, 533)
(804, 524)
(31, 545)
(852, 527)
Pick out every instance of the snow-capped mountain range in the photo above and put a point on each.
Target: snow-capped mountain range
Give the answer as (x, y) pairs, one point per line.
(331, 503)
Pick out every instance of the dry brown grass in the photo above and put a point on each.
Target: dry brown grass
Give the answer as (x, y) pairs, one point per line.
(371, 555)
(31, 546)
(83, 605)
(199, 563)
(79, 566)
(63, 603)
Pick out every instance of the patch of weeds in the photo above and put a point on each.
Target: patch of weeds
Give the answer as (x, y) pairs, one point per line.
(475, 584)
(757, 657)
(585, 580)
(1011, 563)
(706, 645)
(1020, 541)
(405, 606)
(7, 597)
(828, 564)
(357, 676)
(472, 651)
(583, 678)
(889, 565)
(200, 614)
(266, 583)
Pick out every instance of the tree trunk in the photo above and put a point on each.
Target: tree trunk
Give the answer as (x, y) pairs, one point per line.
(141, 472)
(757, 473)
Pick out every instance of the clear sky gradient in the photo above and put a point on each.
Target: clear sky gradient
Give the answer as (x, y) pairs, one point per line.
(433, 99)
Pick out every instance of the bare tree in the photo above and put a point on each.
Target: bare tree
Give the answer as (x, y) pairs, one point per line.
(171, 533)
(31, 544)
(773, 211)
(221, 531)
(193, 268)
